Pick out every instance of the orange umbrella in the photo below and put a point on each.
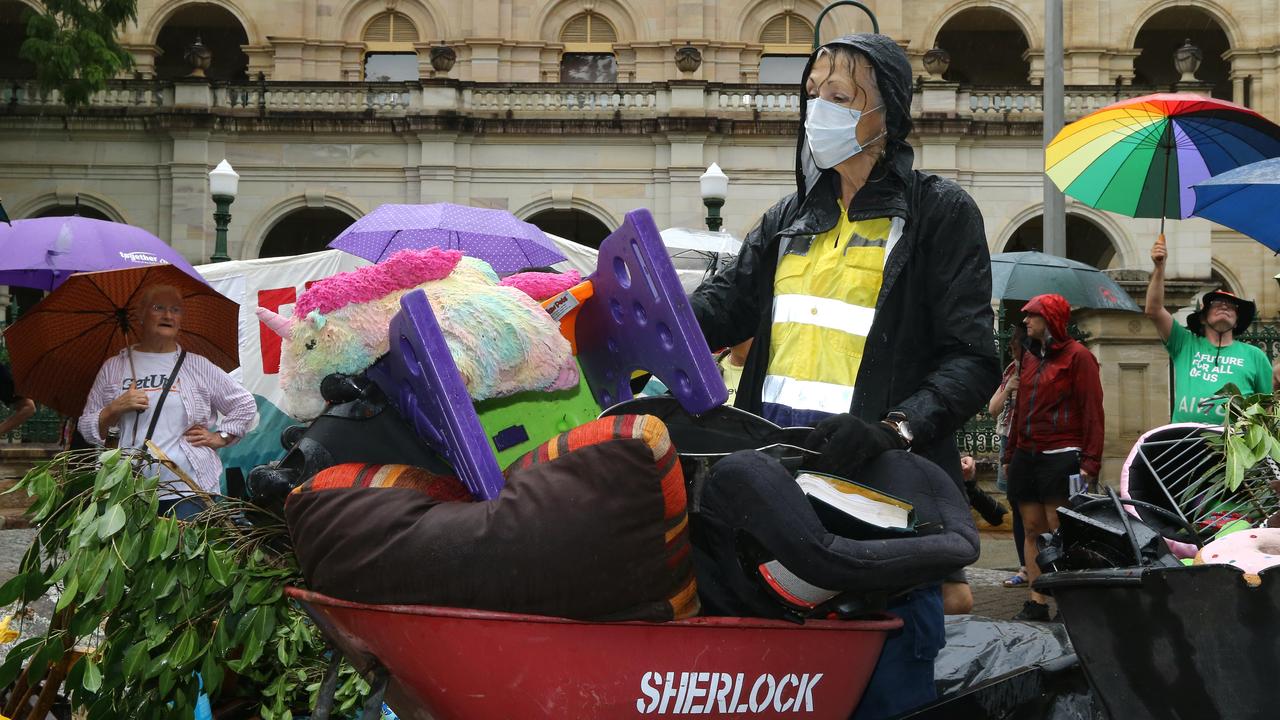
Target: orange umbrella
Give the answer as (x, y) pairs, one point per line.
(58, 346)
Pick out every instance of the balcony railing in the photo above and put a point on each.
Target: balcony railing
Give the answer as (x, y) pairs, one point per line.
(533, 100)
(995, 103)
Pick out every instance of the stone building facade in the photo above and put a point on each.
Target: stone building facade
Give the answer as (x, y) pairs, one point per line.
(571, 113)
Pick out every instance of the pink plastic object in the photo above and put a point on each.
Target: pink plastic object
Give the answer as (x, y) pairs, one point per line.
(420, 378)
(640, 319)
(447, 663)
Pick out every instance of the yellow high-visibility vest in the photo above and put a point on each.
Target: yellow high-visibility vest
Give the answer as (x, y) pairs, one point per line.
(823, 305)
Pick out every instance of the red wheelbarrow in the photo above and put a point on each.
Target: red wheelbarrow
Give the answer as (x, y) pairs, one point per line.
(445, 663)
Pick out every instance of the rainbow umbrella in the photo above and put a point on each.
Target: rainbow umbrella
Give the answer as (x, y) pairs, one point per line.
(1140, 157)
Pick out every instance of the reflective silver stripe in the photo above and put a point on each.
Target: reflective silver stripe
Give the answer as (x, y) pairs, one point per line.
(895, 234)
(823, 312)
(807, 394)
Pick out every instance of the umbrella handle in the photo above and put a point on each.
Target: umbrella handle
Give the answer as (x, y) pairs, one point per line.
(128, 348)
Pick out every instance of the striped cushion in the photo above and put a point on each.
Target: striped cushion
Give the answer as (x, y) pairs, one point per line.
(653, 433)
(442, 488)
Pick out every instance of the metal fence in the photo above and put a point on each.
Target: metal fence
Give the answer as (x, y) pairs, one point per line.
(1265, 336)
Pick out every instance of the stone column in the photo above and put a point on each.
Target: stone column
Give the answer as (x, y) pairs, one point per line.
(190, 220)
(940, 98)
(144, 60)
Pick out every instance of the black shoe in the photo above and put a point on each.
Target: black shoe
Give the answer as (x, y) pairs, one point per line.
(1033, 611)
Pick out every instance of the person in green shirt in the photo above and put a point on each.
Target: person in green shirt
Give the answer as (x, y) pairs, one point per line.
(1204, 354)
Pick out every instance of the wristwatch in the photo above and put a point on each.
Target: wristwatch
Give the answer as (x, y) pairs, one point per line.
(226, 438)
(898, 422)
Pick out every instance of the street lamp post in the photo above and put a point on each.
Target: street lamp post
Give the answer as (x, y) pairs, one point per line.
(715, 187)
(223, 183)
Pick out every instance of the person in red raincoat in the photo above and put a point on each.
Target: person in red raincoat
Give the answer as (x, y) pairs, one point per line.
(1057, 430)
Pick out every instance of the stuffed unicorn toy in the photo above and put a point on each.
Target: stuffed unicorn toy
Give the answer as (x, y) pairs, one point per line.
(502, 341)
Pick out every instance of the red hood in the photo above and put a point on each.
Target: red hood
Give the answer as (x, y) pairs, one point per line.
(1056, 312)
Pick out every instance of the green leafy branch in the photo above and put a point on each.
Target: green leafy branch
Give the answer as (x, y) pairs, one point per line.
(1251, 432)
(73, 45)
(158, 600)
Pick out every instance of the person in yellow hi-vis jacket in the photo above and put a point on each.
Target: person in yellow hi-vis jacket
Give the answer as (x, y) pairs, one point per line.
(868, 293)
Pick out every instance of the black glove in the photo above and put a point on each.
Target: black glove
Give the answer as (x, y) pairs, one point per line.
(988, 507)
(846, 442)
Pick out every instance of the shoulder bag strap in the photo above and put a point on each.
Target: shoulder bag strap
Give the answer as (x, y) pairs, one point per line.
(164, 393)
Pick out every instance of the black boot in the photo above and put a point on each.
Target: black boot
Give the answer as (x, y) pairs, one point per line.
(1033, 611)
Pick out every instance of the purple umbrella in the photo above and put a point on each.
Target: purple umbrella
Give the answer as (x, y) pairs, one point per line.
(499, 238)
(42, 252)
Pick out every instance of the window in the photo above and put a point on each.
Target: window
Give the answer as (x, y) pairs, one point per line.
(787, 40)
(588, 50)
(588, 33)
(390, 55)
(782, 69)
(787, 34)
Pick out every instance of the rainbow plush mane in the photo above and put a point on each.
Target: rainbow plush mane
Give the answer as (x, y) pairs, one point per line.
(502, 341)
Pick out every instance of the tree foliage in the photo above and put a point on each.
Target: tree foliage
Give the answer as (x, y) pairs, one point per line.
(159, 600)
(73, 45)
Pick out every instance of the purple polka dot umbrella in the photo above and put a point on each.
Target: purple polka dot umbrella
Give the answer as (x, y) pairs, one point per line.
(499, 238)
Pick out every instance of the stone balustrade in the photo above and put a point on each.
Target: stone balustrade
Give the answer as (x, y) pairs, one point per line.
(380, 98)
(641, 99)
(764, 99)
(628, 101)
(999, 103)
(117, 94)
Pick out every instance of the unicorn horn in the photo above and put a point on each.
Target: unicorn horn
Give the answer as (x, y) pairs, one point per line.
(278, 323)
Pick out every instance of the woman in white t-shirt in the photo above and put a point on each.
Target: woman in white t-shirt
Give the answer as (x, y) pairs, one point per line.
(125, 394)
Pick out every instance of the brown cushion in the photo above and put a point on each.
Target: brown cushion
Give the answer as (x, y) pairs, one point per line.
(590, 526)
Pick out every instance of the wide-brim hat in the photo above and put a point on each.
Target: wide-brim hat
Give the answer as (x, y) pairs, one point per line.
(1245, 310)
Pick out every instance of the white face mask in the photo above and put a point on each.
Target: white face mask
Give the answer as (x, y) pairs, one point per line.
(831, 131)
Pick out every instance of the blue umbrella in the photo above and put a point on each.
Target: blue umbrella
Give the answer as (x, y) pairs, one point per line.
(1245, 199)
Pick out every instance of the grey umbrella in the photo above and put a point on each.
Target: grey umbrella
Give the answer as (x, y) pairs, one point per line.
(1024, 275)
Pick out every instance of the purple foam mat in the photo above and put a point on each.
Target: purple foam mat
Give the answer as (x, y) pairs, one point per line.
(420, 378)
(640, 319)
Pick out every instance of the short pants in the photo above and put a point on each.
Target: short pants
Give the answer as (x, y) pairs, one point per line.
(1042, 477)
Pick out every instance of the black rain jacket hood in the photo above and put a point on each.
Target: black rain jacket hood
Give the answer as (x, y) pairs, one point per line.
(930, 352)
(893, 79)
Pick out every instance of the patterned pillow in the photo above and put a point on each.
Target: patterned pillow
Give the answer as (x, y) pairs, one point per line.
(653, 433)
(442, 488)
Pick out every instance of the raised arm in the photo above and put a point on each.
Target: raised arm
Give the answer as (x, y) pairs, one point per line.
(23, 409)
(1155, 309)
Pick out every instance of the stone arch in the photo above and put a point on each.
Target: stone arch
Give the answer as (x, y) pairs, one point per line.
(432, 24)
(38, 203)
(261, 227)
(1107, 228)
(841, 21)
(12, 34)
(988, 45)
(1031, 30)
(547, 203)
(553, 16)
(1212, 9)
(1163, 31)
(1228, 276)
(162, 15)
